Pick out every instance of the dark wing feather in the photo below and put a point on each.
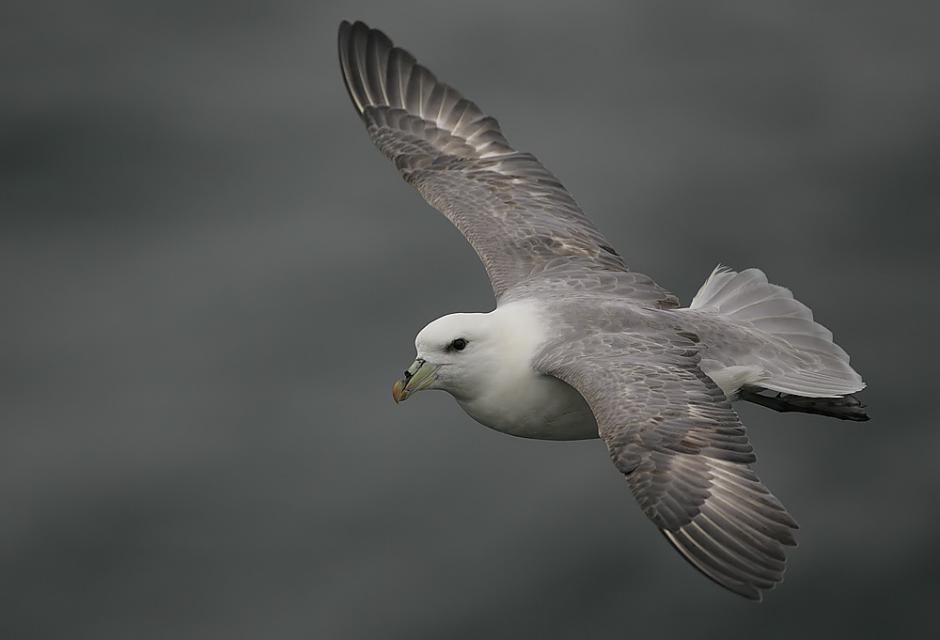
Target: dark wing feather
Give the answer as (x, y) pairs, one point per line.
(685, 454)
(517, 215)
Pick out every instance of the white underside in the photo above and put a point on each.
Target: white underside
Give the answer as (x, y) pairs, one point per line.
(535, 406)
(517, 399)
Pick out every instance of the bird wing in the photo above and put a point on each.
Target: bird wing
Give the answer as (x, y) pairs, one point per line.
(683, 450)
(517, 216)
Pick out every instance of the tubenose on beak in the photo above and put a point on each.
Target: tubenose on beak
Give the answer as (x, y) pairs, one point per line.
(420, 375)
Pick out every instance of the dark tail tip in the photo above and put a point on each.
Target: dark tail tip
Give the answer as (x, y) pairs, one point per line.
(844, 408)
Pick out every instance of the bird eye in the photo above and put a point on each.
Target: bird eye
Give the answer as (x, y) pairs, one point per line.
(458, 344)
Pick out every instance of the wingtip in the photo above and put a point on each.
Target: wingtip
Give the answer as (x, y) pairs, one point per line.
(345, 28)
(346, 24)
(345, 41)
(364, 79)
(358, 27)
(347, 31)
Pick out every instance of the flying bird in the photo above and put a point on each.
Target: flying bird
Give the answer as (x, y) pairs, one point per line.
(578, 346)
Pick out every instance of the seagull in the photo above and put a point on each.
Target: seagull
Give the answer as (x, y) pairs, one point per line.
(578, 346)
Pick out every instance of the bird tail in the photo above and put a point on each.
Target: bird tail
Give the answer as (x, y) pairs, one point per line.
(805, 361)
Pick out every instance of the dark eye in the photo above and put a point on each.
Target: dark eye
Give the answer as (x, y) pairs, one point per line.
(458, 344)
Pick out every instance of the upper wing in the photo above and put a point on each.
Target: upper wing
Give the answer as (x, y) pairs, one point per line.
(513, 211)
(684, 452)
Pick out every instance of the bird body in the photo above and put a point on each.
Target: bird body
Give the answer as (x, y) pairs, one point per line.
(579, 346)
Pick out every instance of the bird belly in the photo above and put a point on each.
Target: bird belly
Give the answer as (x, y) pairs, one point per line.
(542, 407)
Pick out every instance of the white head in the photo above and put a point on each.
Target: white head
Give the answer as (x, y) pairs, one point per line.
(455, 353)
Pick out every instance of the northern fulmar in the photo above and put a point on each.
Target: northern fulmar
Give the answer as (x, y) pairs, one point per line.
(579, 346)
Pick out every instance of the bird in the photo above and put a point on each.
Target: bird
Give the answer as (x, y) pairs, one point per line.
(578, 346)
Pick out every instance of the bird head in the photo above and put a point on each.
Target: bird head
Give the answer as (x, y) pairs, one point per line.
(454, 353)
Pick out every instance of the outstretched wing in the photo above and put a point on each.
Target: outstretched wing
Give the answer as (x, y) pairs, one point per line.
(685, 454)
(513, 211)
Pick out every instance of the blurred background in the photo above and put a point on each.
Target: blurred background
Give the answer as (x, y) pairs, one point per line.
(210, 280)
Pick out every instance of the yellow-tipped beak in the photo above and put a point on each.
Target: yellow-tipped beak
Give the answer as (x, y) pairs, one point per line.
(420, 375)
(398, 391)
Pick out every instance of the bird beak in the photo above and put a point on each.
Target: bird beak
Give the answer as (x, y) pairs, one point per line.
(420, 375)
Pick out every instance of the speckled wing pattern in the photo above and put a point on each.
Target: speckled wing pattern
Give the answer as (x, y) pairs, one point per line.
(683, 450)
(518, 217)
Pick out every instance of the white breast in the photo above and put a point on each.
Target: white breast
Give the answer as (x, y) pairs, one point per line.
(541, 407)
(517, 399)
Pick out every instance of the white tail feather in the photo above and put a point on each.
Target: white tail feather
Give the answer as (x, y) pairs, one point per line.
(814, 367)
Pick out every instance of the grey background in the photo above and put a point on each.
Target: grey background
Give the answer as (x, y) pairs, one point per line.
(210, 279)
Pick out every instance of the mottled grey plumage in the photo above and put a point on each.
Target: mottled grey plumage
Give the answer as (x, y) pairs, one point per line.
(517, 215)
(658, 380)
(672, 432)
